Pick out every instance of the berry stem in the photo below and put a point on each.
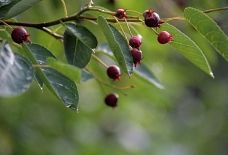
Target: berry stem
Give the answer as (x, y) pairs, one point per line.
(128, 27)
(99, 60)
(65, 8)
(215, 9)
(173, 18)
(135, 12)
(1, 21)
(121, 28)
(37, 65)
(52, 33)
(154, 31)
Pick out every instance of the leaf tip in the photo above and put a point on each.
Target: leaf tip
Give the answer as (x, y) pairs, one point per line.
(212, 75)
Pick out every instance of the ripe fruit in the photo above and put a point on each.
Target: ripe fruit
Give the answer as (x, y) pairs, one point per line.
(164, 37)
(121, 13)
(112, 100)
(114, 72)
(136, 55)
(20, 35)
(152, 19)
(135, 42)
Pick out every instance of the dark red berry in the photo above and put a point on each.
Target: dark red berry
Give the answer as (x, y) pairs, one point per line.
(112, 100)
(121, 13)
(114, 72)
(20, 35)
(152, 19)
(135, 42)
(136, 55)
(164, 37)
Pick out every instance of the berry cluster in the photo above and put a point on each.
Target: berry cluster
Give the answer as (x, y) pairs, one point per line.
(114, 73)
(152, 20)
(136, 53)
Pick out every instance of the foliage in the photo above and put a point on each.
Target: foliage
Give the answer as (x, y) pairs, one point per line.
(80, 44)
(170, 103)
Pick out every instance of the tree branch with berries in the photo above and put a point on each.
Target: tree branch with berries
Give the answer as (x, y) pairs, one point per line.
(81, 46)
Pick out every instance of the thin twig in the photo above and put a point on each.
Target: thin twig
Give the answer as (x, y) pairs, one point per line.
(57, 36)
(128, 27)
(1, 21)
(121, 28)
(216, 9)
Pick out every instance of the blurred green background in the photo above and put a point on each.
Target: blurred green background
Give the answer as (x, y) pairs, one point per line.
(188, 117)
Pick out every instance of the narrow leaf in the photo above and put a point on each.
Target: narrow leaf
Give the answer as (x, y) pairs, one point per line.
(16, 72)
(39, 82)
(72, 72)
(61, 86)
(4, 9)
(17, 7)
(187, 48)
(209, 29)
(118, 45)
(77, 53)
(83, 34)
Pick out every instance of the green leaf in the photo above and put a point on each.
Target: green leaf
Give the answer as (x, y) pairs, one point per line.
(209, 29)
(187, 48)
(39, 82)
(77, 53)
(61, 86)
(118, 45)
(72, 72)
(16, 72)
(83, 34)
(16, 7)
(4, 9)
(141, 70)
(145, 74)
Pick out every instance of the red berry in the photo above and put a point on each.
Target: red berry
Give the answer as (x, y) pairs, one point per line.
(112, 100)
(135, 42)
(152, 19)
(164, 37)
(20, 35)
(114, 72)
(121, 13)
(136, 55)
